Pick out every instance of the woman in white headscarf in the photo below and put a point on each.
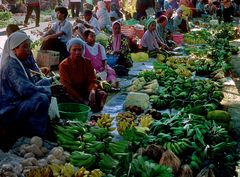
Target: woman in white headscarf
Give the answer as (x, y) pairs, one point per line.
(24, 104)
(102, 15)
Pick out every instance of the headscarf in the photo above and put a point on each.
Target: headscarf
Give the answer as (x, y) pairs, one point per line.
(113, 14)
(161, 18)
(169, 11)
(13, 41)
(76, 41)
(179, 10)
(116, 38)
(101, 4)
(149, 21)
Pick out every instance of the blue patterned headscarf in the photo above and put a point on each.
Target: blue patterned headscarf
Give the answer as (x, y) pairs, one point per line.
(77, 41)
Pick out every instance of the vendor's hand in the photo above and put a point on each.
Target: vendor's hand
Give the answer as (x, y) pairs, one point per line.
(45, 70)
(164, 46)
(92, 98)
(46, 38)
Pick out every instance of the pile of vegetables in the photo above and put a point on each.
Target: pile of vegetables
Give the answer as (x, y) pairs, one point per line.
(5, 19)
(196, 37)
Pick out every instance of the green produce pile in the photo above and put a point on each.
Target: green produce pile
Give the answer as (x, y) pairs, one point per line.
(197, 141)
(5, 18)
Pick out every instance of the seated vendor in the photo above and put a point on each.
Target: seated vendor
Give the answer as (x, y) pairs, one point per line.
(200, 7)
(163, 33)
(96, 53)
(103, 16)
(90, 21)
(79, 79)
(118, 45)
(150, 41)
(30, 63)
(180, 24)
(24, 104)
(61, 32)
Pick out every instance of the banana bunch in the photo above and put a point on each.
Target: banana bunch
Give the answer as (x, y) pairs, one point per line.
(146, 120)
(67, 137)
(96, 173)
(88, 137)
(107, 162)
(122, 125)
(178, 147)
(183, 71)
(193, 41)
(195, 163)
(104, 85)
(94, 147)
(81, 159)
(67, 170)
(82, 172)
(125, 120)
(105, 121)
(160, 72)
(118, 147)
(127, 116)
(100, 133)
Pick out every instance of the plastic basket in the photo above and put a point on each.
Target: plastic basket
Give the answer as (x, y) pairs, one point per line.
(111, 60)
(129, 31)
(74, 111)
(139, 33)
(178, 38)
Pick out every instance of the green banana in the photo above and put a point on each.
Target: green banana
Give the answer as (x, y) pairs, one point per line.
(78, 155)
(101, 133)
(88, 137)
(94, 147)
(84, 163)
(61, 130)
(178, 146)
(196, 159)
(174, 149)
(80, 130)
(219, 146)
(107, 162)
(62, 139)
(194, 166)
(118, 147)
(73, 147)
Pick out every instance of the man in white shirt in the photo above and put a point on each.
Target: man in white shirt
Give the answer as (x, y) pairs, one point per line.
(61, 32)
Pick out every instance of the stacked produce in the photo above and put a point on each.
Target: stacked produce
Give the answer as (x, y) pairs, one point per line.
(196, 37)
(195, 141)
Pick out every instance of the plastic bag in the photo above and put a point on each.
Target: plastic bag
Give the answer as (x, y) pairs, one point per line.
(139, 57)
(102, 75)
(53, 111)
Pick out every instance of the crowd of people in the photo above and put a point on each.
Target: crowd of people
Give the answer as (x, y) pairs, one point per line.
(25, 97)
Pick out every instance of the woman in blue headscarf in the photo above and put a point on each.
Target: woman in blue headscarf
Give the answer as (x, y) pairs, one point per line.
(23, 102)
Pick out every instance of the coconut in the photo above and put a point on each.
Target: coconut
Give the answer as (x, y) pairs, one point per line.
(185, 171)
(171, 160)
(153, 152)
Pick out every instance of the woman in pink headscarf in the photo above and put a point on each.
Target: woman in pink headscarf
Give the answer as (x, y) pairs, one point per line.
(118, 45)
